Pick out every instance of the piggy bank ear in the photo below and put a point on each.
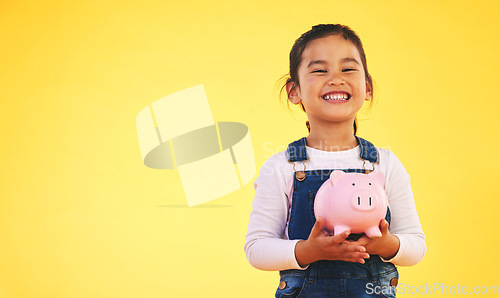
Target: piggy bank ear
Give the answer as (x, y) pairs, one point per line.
(335, 176)
(378, 177)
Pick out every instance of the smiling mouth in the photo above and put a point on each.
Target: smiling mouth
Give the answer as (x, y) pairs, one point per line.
(337, 96)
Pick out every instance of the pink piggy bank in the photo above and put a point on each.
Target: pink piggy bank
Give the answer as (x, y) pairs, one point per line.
(352, 201)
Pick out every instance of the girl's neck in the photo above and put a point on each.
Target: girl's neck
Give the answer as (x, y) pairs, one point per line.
(331, 138)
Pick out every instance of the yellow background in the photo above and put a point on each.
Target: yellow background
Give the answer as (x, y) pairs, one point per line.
(81, 216)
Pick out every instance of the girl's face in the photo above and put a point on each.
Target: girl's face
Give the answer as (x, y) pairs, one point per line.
(332, 81)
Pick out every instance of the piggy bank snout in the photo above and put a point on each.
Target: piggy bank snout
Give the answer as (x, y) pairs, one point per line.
(364, 200)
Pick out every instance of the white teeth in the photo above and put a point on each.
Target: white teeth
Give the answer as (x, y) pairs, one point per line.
(336, 96)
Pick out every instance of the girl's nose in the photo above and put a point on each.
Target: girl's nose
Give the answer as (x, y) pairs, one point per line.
(336, 79)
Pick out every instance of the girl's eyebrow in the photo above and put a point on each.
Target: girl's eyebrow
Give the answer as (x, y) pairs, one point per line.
(314, 62)
(347, 59)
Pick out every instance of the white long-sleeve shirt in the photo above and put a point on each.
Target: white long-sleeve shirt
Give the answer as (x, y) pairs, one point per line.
(267, 246)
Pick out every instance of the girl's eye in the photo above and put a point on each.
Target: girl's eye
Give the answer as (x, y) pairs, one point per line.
(348, 69)
(319, 71)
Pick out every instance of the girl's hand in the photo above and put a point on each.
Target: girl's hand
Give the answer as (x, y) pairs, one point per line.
(386, 246)
(320, 246)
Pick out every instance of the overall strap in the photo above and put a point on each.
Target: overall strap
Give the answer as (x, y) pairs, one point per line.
(367, 150)
(296, 151)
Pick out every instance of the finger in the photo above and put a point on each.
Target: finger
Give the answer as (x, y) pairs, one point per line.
(360, 255)
(362, 261)
(357, 257)
(353, 248)
(358, 260)
(362, 241)
(337, 239)
(317, 228)
(354, 260)
(384, 226)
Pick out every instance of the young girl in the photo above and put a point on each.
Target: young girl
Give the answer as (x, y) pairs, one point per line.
(329, 79)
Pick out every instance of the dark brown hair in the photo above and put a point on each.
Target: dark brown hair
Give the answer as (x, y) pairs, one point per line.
(316, 32)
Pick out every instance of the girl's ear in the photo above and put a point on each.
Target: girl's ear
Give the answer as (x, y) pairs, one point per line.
(369, 92)
(335, 176)
(292, 92)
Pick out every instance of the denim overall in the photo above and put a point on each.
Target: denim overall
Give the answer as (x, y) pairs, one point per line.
(330, 278)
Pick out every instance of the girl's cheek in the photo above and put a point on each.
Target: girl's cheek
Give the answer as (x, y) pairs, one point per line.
(311, 79)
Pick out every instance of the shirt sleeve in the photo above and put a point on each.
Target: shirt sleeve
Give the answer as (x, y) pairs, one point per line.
(405, 223)
(266, 247)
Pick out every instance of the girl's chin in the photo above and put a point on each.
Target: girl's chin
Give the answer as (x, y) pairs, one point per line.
(335, 120)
